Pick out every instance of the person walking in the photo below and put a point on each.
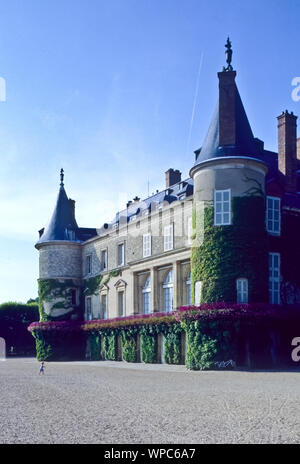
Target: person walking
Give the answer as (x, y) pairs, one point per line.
(42, 367)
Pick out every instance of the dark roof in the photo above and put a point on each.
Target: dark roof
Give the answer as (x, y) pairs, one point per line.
(245, 143)
(62, 220)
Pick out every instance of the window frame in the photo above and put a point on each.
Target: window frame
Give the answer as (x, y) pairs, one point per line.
(241, 292)
(169, 237)
(222, 212)
(88, 264)
(146, 246)
(274, 279)
(122, 263)
(273, 221)
(89, 310)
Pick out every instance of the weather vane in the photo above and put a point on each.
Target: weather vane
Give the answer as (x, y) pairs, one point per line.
(228, 53)
(61, 177)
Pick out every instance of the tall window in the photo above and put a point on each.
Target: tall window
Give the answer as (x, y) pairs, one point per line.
(146, 296)
(104, 260)
(146, 245)
(168, 237)
(104, 306)
(121, 303)
(88, 264)
(274, 278)
(168, 291)
(121, 254)
(188, 289)
(273, 215)
(222, 208)
(242, 290)
(89, 308)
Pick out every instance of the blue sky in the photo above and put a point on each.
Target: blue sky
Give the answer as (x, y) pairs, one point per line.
(106, 90)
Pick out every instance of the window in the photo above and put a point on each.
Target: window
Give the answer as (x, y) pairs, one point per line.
(104, 306)
(121, 256)
(168, 237)
(88, 264)
(103, 260)
(188, 289)
(198, 292)
(121, 303)
(146, 291)
(146, 245)
(168, 291)
(190, 230)
(222, 207)
(274, 278)
(242, 290)
(273, 215)
(70, 234)
(89, 308)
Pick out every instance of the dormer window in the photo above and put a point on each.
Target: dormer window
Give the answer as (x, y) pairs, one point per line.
(70, 234)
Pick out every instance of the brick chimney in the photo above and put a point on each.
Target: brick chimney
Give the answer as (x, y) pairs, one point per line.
(287, 149)
(172, 177)
(227, 108)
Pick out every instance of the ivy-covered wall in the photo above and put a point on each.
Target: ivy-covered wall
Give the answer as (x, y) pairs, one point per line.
(55, 299)
(230, 252)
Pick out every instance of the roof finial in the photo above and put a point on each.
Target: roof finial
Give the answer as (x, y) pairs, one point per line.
(228, 52)
(62, 177)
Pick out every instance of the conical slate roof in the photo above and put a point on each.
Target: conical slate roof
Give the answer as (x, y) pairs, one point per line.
(62, 220)
(244, 144)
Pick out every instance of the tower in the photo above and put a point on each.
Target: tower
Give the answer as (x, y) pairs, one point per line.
(60, 262)
(229, 258)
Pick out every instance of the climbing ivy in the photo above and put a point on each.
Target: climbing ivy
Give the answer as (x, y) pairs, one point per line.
(129, 345)
(51, 290)
(227, 253)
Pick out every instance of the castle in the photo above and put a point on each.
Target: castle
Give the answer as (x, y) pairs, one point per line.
(230, 232)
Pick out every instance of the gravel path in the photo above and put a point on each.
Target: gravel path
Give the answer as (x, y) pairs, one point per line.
(103, 402)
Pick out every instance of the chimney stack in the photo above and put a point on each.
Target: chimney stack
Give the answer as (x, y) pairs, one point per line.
(227, 108)
(287, 149)
(172, 177)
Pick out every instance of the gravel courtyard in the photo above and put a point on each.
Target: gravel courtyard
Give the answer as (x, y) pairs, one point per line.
(106, 402)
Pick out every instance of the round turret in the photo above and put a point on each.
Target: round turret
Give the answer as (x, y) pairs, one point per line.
(60, 262)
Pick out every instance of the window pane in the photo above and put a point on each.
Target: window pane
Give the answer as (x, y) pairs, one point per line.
(225, 196)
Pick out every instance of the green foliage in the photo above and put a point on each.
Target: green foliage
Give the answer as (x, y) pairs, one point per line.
(172, 344)
(129, 346)
(14, 319)
(148, 345)
(208, 342)
(52, 289)
(95, 346)
(53, 345)
(110, 345)
(91, 285)
(230, 252)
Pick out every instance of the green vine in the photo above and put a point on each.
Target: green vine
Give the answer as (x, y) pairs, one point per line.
(52, 289)
(227, 253)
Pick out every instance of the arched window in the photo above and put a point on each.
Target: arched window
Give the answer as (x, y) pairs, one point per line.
(242, 290)
(168, 291)
(188, 289)
(146, 291)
